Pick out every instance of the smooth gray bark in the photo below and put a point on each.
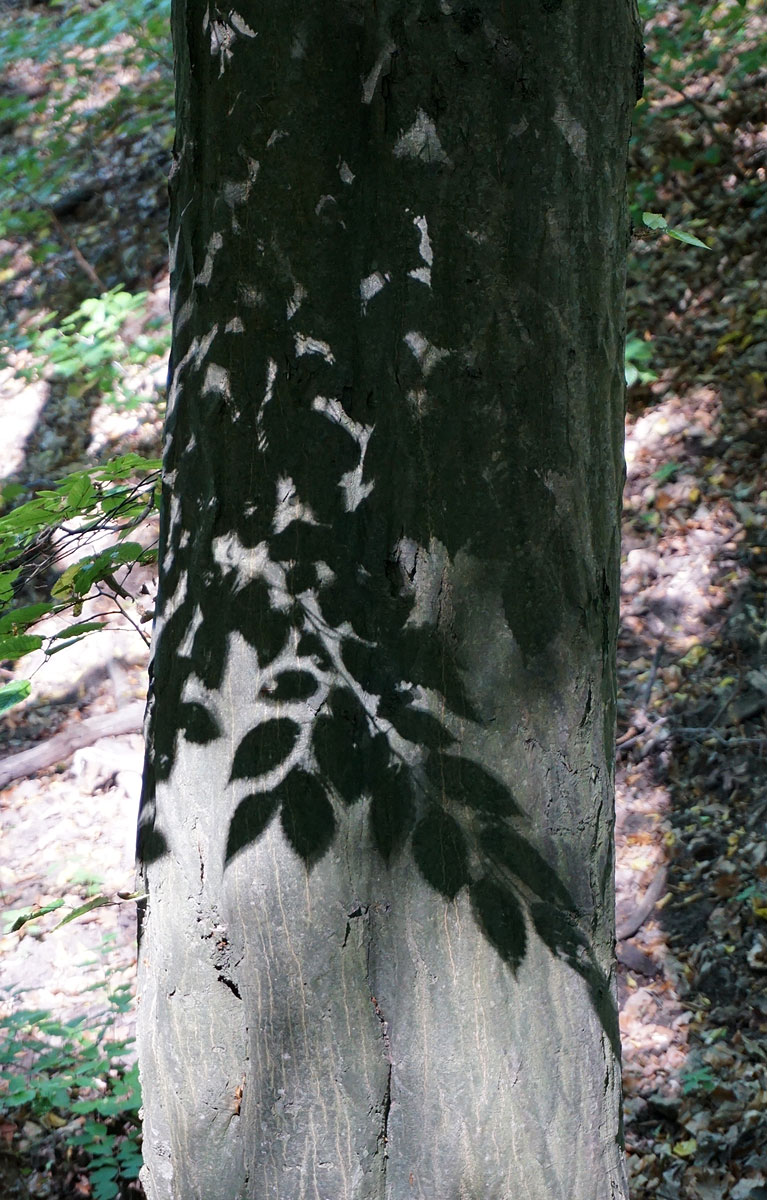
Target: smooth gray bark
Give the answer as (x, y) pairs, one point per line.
(376, 960)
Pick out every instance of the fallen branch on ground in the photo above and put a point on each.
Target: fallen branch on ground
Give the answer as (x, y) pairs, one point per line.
(636, 919)
(63, 745)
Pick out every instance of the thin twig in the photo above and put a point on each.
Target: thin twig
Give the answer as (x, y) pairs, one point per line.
(110, 595)
(77, 253)
(647, 692)
(67, 238)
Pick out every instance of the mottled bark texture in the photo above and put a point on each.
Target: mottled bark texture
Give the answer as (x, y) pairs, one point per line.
(376, 957)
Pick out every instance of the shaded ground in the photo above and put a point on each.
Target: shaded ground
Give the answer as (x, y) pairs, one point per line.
(692, 755)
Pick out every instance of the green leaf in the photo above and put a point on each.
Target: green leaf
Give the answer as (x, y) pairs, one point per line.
(128, 464)
(7, 580)
(658, 222)
(666, 471)
(23, 522)
(79, 492)
(11, 492)
(637, 349)
(14, 1099)
(17, 647)
(654, 221)
(65, 584)
(85, 1106)
(104, 1183)
(80, 577)
(109, 1106)
(32, 914)
(94, 902)
(75, 630)
(26, 615)
(51, 650)
(13, 693)
(681, 236)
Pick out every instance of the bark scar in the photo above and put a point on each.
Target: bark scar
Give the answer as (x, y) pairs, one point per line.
(383, 1136)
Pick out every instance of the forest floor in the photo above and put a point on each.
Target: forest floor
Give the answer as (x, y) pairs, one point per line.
(692, 740)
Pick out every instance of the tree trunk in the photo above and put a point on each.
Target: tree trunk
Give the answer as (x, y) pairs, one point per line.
(376, 960)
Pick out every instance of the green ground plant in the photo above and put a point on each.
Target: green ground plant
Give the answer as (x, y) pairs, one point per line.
(698, 57)
(90, 348)
(79, 1079)
(53, 60)
(637, 359)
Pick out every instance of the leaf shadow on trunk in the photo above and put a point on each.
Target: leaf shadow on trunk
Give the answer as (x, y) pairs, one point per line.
(328, 427)
(350, 700)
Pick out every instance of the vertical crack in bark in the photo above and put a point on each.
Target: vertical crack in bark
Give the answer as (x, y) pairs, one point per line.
(383, 1137)
(385, 1107)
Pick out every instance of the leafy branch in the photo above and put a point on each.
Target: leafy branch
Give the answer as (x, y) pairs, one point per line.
(58, 522)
